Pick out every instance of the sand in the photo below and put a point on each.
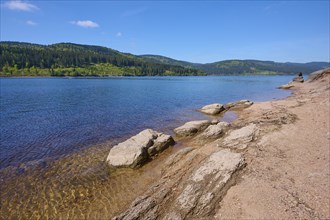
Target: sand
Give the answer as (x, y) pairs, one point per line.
(288, 170)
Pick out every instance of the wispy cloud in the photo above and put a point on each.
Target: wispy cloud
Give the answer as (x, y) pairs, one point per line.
(133, 12)
(119, 34)
(86, 24)
(19, 5)
(31, 23)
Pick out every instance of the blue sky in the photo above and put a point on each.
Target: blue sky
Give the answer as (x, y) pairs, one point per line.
(196, 31)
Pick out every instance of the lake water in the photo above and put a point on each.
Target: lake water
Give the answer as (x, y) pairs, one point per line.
(49, 117)
(57, 132)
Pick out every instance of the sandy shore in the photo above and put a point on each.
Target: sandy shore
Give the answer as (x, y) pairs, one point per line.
(288, 169)
(282, 172)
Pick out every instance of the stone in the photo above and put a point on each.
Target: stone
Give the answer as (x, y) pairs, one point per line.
(187, 192)
(191, 128)
(212, 109)
(299, 78)
(214, 121)
(134, 152)
(239, 139)
(229, 105)
(238, 105)
(215, 130)
(286, 86)
(208, 184)
(162, 142)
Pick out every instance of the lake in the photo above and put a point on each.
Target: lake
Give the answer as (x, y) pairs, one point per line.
(51, 117)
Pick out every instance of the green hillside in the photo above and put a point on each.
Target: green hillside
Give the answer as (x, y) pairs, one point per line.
(243, 67)
(167, 60)
(67, 59)
(260, 67)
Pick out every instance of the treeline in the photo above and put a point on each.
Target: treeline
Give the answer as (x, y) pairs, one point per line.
(244, 67)
(260, 67)
(67, 59)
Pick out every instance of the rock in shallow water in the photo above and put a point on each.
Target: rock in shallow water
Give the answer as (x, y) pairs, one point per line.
(286, 86)
(212, 109)
(135, 151)
(191, 128)
(238, 105)
(214, 130)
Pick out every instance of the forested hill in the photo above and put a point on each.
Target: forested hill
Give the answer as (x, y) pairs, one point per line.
(67, 59)
(260, 67)
(230, 67)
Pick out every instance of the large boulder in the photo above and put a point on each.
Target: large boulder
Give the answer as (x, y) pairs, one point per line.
(191, 128)
(212, 109)
(135, 151)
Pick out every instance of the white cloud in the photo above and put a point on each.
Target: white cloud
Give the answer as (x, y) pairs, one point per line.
(31, 23)
(119, 34)
(19, 5)
(86, 24)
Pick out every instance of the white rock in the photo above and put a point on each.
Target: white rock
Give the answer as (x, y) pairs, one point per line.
(191, 128)
(161, 143)
(286, 86)
(212, 109)
(214, 131)
(239, 138)
(134, 151)
(208, 181)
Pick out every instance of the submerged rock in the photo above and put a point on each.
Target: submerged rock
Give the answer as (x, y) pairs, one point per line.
(212, 109)
(135, 151)
(191, 128)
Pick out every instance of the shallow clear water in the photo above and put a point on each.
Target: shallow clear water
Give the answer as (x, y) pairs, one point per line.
(49, 117)
(57, 132)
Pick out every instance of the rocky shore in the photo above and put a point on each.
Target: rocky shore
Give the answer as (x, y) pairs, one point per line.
(273, 162)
